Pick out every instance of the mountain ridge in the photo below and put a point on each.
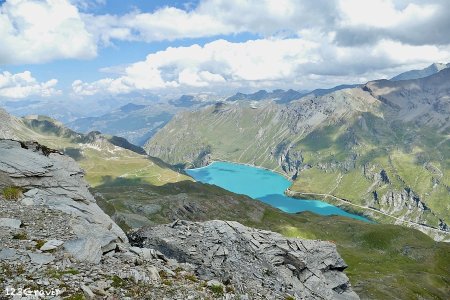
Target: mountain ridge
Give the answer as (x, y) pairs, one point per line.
(416, 74)
(103, 157)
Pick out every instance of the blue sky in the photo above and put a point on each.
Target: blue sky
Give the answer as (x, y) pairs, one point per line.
(121, 53)
(105, 48)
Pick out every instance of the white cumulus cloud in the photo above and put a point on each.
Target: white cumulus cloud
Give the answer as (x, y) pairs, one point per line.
(168, 23)
(311, 62)
(41, 31)
(215, 64)
(33, 31)
(22, 85)
(353, 21)
(298, 43)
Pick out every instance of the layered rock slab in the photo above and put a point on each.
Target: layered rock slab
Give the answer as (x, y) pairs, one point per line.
(55, 181)
(259, 263)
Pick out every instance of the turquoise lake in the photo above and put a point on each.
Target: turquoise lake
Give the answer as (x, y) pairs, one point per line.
(264, 185)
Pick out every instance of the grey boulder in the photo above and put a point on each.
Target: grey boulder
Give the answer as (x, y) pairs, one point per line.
(86, 249)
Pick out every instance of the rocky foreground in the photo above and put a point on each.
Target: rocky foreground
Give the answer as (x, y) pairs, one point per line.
(57, 243)
(256, 262)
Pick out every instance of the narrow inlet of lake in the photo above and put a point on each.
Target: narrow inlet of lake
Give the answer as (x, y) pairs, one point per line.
(264, 185)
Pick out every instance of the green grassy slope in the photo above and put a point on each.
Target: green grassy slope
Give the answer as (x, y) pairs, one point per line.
(385, 261)
(222, 130)
(372, 146)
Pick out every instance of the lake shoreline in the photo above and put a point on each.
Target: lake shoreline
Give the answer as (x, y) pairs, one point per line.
(246, 164)
(273, 190)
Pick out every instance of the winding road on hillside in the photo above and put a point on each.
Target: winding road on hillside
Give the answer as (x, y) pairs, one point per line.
(289, 192)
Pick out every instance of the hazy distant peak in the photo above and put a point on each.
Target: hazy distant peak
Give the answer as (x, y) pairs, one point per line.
(131, 107)
(278, 95)
(416, 74)
(43, 118)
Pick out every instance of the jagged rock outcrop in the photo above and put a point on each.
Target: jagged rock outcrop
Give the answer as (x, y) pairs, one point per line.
(396, 201)
(291, 162)
(203, 158)
(34, 257)
(412, 208)
(261, 264)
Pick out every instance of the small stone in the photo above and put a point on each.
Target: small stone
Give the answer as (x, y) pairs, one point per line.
(169, 272)
(41, 259)
(291, 267)
(138, 276)
(136, 250)
(50, 245)
(214, 282)
(161, 256)
(43, 282)
(27, 201)
(7, 253)
(98, 291)
(153, 274)
(172, 264)
(31, 193)
(110, 247)
(146, 254)
(87, 292)
(87, 249)
(11, 223)
(104, 285)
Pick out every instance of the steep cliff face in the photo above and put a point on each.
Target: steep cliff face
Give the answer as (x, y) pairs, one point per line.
(261, 264)
(291, 162)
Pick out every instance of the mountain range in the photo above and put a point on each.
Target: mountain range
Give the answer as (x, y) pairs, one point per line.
(139, 122)
(382, 148)
(133, 201)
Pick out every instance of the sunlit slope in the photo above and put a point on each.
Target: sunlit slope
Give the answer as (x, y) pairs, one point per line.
(225, 131)
(102, 157)
(385, 145)
(263, 135)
